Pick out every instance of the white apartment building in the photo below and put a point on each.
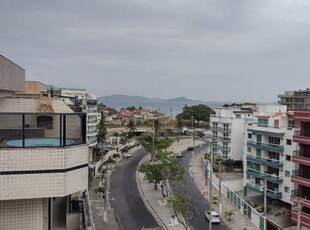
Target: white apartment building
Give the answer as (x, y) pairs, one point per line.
(268, 154)
(227, 127)
(43, 159)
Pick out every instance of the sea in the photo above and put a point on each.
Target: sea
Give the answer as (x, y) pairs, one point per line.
(166, 107)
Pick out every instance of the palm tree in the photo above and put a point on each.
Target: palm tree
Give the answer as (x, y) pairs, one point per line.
(131, 127)
(228, 214)
(123, 137)
(214, 199)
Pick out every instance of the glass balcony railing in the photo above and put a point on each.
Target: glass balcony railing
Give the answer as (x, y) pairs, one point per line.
(34, 130)
(266, 146)
(274, 194)
(255, 187)
(265, 161)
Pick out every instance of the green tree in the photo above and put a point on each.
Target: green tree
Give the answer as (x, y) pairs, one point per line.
(131, 108)
(156, 126)
(102, 130)
(199, 112)
(123, 137)
(181, 203)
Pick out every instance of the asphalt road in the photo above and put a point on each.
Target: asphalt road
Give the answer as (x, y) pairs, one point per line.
(199, 204)
(126, 200)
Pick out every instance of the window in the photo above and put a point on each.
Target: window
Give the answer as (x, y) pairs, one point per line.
(276, 123)
(288, 141)
(263, 122)
(287, 173)
(249, 135)
(249, 149)
(288, 157)
(291, 124)
(258, 152)
(238, 115)
(286, 189)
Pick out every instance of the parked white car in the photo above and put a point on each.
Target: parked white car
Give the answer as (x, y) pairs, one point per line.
(127, 155)
(215, 218)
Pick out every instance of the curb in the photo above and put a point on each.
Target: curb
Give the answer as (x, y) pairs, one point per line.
(147, 204)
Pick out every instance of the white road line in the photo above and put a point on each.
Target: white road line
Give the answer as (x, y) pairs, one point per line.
(197, 210)
(190, 173)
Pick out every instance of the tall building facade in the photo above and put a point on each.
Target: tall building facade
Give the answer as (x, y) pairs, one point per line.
(268, 154)
(295, 100)
(43, 161)
(301, 177)
(227, 127)
(12, 77)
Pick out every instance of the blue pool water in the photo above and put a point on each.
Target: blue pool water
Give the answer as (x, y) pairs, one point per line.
(39, 142)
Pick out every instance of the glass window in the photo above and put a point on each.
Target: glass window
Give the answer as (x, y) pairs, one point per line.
(287, 173)
(249, 149)
(288, 141)
(249, 135)
(288, 157)
(286, 189)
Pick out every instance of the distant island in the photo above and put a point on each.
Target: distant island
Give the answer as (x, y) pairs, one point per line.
(170, 107)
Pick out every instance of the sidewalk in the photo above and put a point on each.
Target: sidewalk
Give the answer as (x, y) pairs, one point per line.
(238, 220)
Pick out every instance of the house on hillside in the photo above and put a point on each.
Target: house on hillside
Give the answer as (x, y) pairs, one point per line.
(125, 115)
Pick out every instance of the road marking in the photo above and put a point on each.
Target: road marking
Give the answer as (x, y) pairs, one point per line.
(190, 173)
(197, 210)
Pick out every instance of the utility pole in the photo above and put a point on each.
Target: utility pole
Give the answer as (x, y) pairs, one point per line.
(220, 187)
(153, 141)
(210, 189)
(192, 117)
(265, 201)
(106, 193)
(298, 214)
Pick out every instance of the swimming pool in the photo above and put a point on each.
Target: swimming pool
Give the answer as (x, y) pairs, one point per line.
(39, 142)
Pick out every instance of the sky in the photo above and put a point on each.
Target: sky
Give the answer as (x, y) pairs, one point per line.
(210, 50)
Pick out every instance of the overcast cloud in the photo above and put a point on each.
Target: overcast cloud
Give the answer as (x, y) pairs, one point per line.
(212, 50)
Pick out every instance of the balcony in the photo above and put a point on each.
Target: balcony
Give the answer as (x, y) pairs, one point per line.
(225, 139)
(34, 130)
(225, 130)
(269, 177)
(266, 146)
(301, 137)
(224, 148)
(300, 178)
(304, 218)
(274, 194)
(253, 172)
(275, 178)
(215, 128)
(254, 187)
(297, 196)
(265, 161)
(301, 158)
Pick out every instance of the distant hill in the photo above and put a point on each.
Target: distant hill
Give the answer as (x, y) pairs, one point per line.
(167, 106)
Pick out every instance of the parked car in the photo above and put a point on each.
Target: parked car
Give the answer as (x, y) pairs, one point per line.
(190, 148)
(215, 218)
(179, 154)
(127, 155)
